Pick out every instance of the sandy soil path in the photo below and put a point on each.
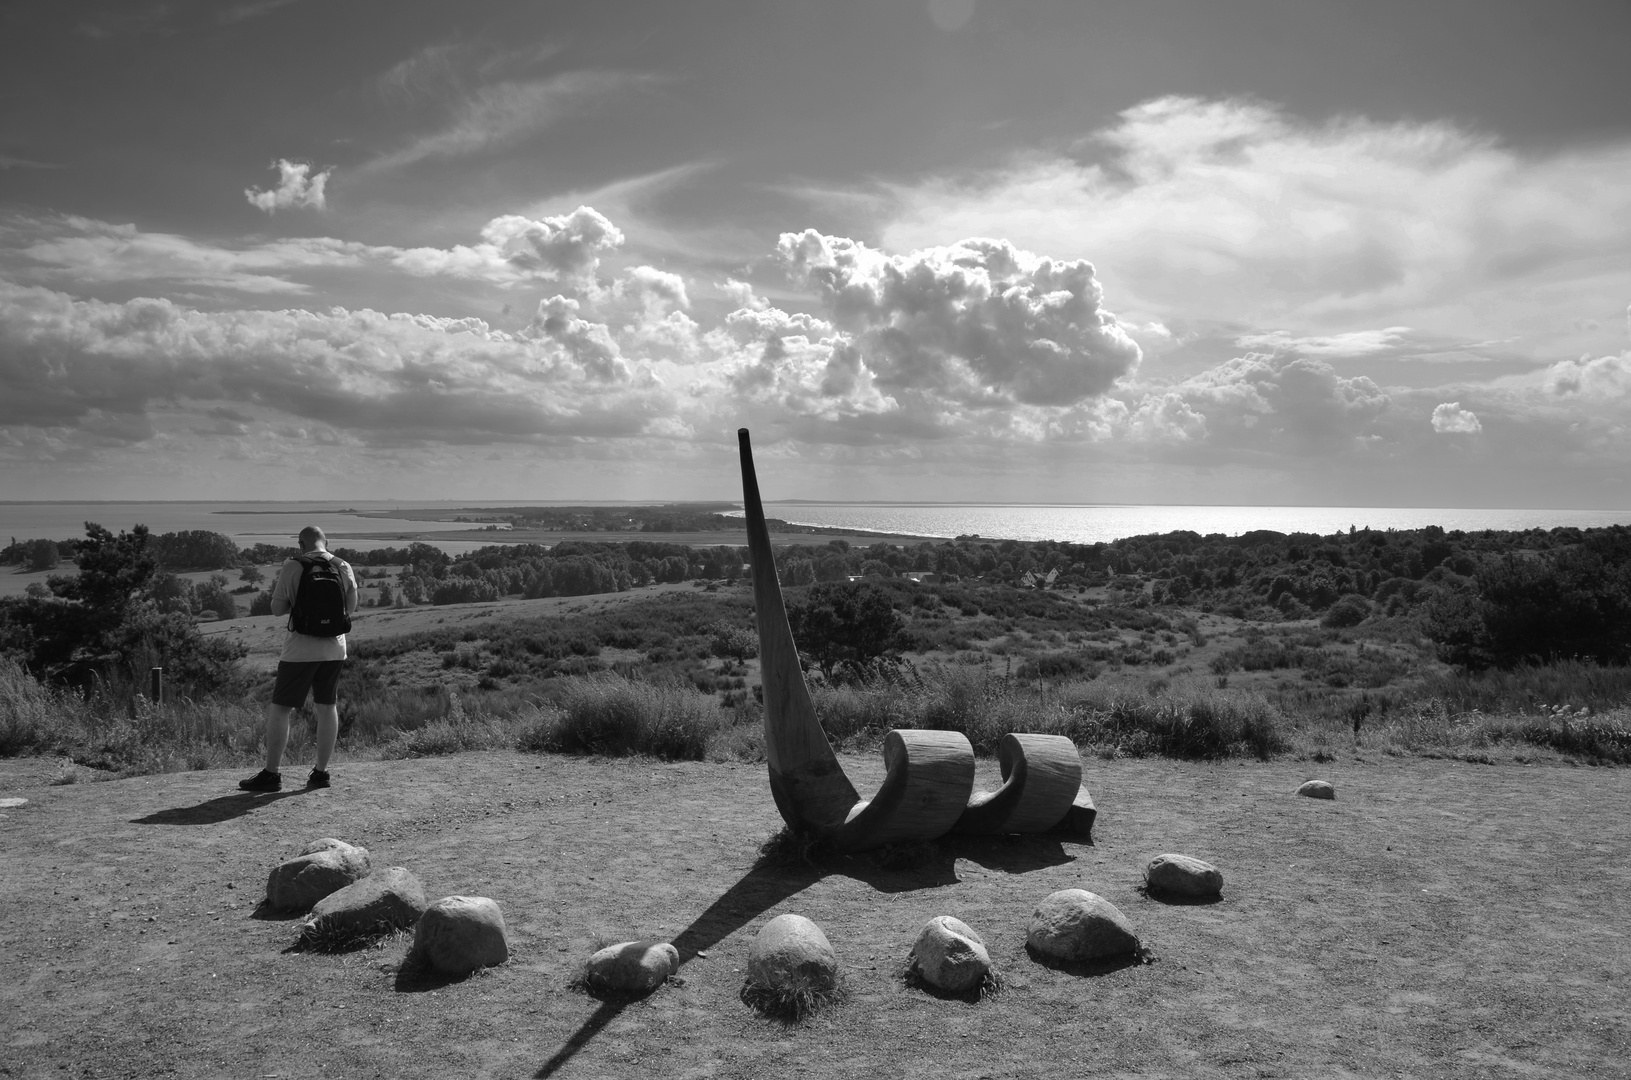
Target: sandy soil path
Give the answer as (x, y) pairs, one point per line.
(1437, 920)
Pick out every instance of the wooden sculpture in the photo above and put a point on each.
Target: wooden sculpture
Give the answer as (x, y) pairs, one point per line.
(928, 789)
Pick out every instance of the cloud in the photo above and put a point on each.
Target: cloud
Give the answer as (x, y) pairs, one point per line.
(85, 251)
(509, 112)
(387, 379)
(950, 15)
(975, 356)
(1239, 212)
(1605, 378)
(297, 187)
(249, 9)
(9, 161)
(981, 321)
(1355, 343)
(513, 250)
(1451, 419)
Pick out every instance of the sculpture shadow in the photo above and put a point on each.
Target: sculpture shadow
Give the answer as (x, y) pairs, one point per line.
(1091, 969)
(787, 866)
(216, 810)
(1019, 854)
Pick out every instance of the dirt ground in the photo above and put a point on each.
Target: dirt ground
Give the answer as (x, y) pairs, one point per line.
(1437, 920)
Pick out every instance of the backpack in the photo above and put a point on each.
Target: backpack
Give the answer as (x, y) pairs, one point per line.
(319, 603)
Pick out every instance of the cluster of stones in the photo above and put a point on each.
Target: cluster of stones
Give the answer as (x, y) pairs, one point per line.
(336, 882)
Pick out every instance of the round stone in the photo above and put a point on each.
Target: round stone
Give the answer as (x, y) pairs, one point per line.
(1183, 875)
(324, 866)
(791, 952)
(1318, 789)
(1078, 926)
(950, 956)
(459, 934)
(387, 899)
(632, 966)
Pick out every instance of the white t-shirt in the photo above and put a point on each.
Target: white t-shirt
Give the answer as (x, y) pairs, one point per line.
(303, 648)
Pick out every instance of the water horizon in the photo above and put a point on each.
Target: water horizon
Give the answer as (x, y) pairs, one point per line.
(277, 521)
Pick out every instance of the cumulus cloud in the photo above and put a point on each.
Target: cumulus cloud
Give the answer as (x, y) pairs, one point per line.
(981, 321)
(977, 347)
(1239, 212)
(387, 378)
(297, 186)
(1604, 378)
(1450, 418)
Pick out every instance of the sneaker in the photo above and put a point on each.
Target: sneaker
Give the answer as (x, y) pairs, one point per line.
(265, 780)
(318, 778)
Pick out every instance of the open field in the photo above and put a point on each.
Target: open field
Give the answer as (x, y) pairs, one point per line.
(1438, 920)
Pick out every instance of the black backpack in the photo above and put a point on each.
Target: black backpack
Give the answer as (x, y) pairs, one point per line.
(319, 604)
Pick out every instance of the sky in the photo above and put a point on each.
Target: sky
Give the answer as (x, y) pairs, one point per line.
(1211, 251)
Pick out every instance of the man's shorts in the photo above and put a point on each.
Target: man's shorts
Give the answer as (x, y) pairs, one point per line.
(321, 677)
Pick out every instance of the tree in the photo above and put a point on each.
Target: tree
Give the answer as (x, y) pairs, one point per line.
(113, 621)
(195, 549)
(41, 554)
(385, 597)
(252, 575)
(851, 624)
(733, 642)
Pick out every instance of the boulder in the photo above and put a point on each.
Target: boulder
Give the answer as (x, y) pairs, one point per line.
(387, 899)
(1318, 789)
(633, 967)
(792, 953)
(459, 934)
(324, 866)
(1183, 875)
(1077, 926)
(949, 956)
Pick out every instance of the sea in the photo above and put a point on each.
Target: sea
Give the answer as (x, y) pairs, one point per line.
(250, 523)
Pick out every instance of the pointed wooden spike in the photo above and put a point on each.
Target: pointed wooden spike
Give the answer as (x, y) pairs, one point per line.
(809, 785)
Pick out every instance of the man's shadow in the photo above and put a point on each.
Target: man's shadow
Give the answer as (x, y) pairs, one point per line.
(782, 871)
(216, 810)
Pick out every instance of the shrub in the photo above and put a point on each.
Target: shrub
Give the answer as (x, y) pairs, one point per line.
(1350, 610)
(612, 715)
(1186, 723)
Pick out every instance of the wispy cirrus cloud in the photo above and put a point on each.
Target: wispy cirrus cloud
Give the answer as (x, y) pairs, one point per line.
(503, 114)
(1239, 212)
(513, 250)
(11, 161)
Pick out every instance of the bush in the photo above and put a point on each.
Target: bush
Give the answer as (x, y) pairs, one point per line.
(1350, 610)
(1184, 724)
(612, 715)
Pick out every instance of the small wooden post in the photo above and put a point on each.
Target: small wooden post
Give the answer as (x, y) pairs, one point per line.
(156, 685)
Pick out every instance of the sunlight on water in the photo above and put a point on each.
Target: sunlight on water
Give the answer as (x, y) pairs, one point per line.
(1094, 524)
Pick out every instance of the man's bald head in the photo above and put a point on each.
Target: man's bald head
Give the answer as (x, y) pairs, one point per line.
(312, 539)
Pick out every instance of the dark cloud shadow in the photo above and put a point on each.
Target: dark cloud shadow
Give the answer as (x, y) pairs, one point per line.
(216, 810)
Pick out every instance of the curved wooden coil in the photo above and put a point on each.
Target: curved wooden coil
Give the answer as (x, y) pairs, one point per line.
(931, 774)
(928, 788)
(1041, 774)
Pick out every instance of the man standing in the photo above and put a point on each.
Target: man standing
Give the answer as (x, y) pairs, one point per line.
(318, 592)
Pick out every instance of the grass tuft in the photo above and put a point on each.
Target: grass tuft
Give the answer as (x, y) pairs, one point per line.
(795, 1000)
